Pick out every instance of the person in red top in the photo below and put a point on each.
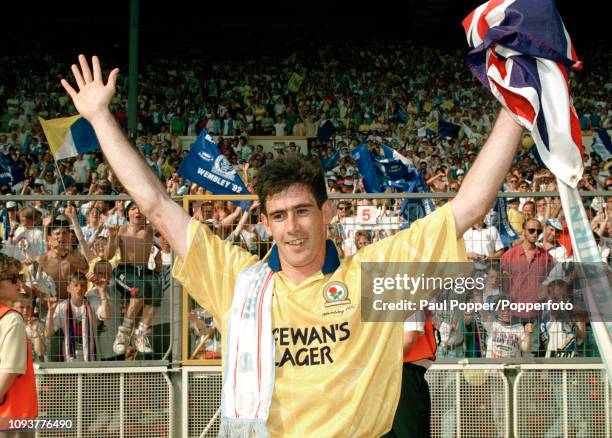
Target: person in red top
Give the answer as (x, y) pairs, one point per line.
(18, 399)
(524, 268)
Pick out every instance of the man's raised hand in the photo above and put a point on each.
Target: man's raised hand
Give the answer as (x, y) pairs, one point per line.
(93, 96)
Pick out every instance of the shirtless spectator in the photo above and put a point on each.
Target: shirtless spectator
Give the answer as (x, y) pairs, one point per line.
(139, 283)
(60, 261)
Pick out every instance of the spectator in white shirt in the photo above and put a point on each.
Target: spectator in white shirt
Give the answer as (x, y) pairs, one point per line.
(483, 244)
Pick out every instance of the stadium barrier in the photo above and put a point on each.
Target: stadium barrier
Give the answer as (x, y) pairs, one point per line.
(468, 400)
(125, 402)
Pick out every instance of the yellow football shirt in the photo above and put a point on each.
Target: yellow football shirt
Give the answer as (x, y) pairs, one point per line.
(335, 375)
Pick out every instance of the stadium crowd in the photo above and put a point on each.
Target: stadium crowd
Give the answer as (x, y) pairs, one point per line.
(82, 258)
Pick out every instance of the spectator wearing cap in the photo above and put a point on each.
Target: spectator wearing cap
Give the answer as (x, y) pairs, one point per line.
(552, 230)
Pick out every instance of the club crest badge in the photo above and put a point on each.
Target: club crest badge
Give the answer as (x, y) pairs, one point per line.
(335, 294)
(224, 168)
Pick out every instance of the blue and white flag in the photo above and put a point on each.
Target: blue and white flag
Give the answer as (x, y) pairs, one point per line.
(331, 161)
(393, 170)
(372, 182)
(208, 168)
(602, 144)
(414, 209)
(506, 232)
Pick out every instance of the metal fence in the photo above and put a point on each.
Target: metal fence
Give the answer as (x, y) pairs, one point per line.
(472, 401)
(107, 402)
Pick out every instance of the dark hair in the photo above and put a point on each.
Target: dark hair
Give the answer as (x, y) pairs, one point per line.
(279, 174)
(78, 277)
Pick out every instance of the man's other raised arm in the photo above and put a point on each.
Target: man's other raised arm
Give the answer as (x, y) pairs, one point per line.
(479, 189)
(92, 101)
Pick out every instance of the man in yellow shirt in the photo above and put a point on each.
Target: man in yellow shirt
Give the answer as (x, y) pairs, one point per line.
(333, 375)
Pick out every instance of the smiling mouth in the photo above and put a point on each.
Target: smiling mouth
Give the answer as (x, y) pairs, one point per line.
(296, 242)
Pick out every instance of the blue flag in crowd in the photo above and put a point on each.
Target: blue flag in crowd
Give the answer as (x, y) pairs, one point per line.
(602, 144)
(368, 171)
(506, 232)
(448, 130)
(393, 170)
(208, 168)
(414, 209)
(10, 172)
(331, 161)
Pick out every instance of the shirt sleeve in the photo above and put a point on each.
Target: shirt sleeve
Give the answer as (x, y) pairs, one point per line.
(497, 239)
(13, 342)
(210, 269)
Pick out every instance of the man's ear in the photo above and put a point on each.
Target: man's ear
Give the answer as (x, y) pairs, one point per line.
(264, 221)
(328, 212)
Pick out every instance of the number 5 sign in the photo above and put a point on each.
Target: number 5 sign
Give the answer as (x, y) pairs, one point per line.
(367, 214)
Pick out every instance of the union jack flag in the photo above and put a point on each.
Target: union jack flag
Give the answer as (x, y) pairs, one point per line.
(522, 53)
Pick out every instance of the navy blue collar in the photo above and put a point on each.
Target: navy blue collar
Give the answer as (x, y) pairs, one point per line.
(332, 261)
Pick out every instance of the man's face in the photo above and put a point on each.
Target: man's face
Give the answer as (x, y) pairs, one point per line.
(298, 226)
(550, 234)
(343, 210)
(60, 238)
(531, 231)
(528, 211)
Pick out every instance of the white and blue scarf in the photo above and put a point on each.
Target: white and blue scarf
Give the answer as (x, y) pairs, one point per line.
(249, 362)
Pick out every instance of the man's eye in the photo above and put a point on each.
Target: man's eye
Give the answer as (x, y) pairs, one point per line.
(302, 211)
